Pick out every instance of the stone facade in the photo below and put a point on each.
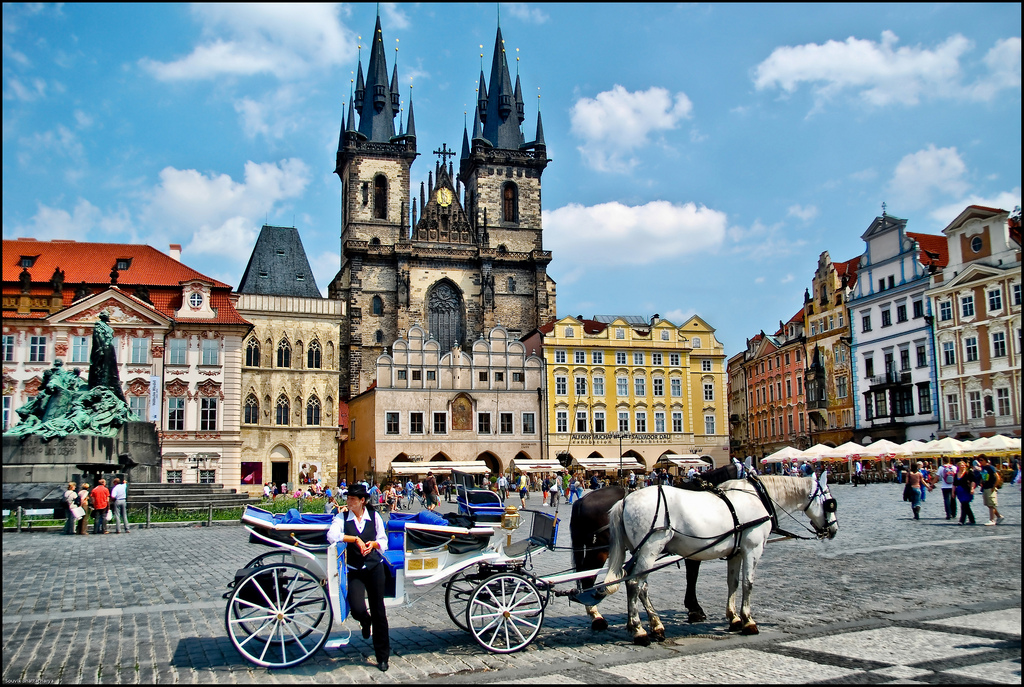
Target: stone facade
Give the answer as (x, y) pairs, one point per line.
(289, 407)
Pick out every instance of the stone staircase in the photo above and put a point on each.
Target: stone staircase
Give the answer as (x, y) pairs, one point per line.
(162, 495)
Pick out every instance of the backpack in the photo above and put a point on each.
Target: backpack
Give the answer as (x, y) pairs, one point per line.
(999, 481)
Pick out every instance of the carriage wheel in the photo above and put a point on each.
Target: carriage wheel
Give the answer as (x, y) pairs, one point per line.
(279, 556)
(279, 616)
(457, 592)
(505, 613)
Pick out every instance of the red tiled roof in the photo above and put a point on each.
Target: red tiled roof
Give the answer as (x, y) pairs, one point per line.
(934, 250)
(589, 326)
(798, 317)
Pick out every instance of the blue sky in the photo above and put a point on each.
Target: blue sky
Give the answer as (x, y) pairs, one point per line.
(702, 156)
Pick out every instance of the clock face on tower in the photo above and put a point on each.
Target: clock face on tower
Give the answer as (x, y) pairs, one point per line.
(444, 197)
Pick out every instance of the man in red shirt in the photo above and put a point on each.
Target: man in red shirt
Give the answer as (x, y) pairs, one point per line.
(100, 498)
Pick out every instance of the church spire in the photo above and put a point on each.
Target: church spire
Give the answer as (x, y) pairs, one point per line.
(540, 131)
(379, 103)
(410, 126)
(500, 128)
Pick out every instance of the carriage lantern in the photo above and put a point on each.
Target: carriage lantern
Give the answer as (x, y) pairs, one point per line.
(511, 520)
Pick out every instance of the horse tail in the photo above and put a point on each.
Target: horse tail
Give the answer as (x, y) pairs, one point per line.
(616, 548)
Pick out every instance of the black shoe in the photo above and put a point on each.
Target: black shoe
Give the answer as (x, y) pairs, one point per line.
(382, 666)
(366, 630)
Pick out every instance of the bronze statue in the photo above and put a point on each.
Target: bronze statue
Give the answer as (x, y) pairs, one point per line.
(102, 360)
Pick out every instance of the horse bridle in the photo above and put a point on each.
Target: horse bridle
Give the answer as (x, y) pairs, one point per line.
(828, 505)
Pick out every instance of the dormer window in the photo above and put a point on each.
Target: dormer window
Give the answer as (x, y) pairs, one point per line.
(28, 260)
(299, 277)
(976, 244)
(264, 275)
(123, 264)
(196, 300)
(280, 251)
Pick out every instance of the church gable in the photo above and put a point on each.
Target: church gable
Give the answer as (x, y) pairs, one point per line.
(444, 220)
(122, 309)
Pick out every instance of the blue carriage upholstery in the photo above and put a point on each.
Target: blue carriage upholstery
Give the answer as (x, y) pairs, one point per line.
(308, 528)
(395, 527)
(480, 504)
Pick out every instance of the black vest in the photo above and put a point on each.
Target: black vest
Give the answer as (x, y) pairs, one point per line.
(354, 558)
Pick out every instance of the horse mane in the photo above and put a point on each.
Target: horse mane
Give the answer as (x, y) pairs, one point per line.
(788, 492)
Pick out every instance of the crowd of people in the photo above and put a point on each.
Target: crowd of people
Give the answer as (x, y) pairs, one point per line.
(958, 483)
(102, 504)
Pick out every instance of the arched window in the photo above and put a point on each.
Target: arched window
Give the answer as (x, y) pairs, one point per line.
(511, 284)
(379, 337)
(380, 197)
(252, 410)
(313, 355)
(281, 415)
(696, 342)
(252, 353)
(378, 305)
(284, 354)
(313, 411)
(444, 315)
(510, 202)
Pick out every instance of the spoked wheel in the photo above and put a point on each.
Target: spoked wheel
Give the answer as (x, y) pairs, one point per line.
(278, 556)
(279, 615)
(505, 613)
(457, 592)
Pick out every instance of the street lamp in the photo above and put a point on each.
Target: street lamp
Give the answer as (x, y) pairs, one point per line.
(620, 435)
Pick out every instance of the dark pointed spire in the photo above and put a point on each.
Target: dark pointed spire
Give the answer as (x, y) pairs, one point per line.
(360, 87)
(395, 98)
(341, 136)
(540, 131)
(500, 128)
(465, 142)
(423, 197)
(410, 126)
(481, 96)
(478, 127)
(520, 113)
(377, 117)
(351, 116)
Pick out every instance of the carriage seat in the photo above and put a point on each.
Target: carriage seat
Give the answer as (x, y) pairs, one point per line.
(395, 527)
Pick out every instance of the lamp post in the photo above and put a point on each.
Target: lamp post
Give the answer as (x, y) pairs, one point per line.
(620, 435)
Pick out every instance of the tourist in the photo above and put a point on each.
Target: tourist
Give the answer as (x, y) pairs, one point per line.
(523, 491)
(70, 500)
(331, 507)
(83, 503)
(912, 492)
(989, 484)
(100, 502)
(965, 484)
(430, 492)
(119, 495)
(945, 476)
(554, 491)
(502, 487)
(545, 488)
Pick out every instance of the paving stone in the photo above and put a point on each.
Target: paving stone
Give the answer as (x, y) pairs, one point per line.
(733, 666)
(1005, 620)
(1002, 672)
(897, 646)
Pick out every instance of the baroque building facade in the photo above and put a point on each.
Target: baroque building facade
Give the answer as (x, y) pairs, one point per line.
(289, 401)
(976, 299)
(467, 254)
(625, 386)
(178, 335)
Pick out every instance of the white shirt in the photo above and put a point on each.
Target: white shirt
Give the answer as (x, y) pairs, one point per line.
(119, 492)
(337, 530)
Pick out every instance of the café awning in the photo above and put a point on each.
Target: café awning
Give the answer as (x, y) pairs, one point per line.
(607, 464)
(473, 467)
(537, 466)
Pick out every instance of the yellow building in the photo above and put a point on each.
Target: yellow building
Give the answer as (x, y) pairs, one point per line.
(626, 386)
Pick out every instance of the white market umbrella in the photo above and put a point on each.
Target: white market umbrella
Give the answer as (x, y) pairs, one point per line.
(911, 448)
(844, 451)
(997, 444)
(883, 448)
(947, 446)
(783, 455)
(815, 453)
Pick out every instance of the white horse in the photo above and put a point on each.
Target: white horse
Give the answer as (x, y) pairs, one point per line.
(699, 525)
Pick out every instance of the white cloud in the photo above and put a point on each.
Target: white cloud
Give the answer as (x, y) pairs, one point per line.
(880, 73)
(932, 170)
(615, 123)
(762, 241)
(788, 278)
(325, 268)
(522, 11)
(394, 18)
(759, 280)
(26, 92)
(868, 174)
(679, 316)
(275, 115)
(1007, 200)
(805, 213)
(287, 40)
(61, 141)
(83, 120)
(84, 220)
(613, 233)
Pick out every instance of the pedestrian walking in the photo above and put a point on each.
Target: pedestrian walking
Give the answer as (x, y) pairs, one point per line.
(119, 496)
(430, 492)
(965, 484)
(912, 490)
(100, 502)
(70, 501)
(545, 488)
(945, 476)
(989, 486)
(554, 491)
(85, 505)
(523, 492)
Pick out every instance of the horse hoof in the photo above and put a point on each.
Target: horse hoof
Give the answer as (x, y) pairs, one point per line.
(642, 640)
(750, 629)
(599, 624)
(696, 617)
(735, 626)
(658, 635)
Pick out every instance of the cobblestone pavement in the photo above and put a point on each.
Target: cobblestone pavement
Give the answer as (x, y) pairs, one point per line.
(888, 600)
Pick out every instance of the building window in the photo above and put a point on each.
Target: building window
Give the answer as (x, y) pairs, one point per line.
(999, 345)
(440, 423)
(901, 313)
(177, 352)
(953, 407)
(79, 349)
(945, 311)
(1016, 294)
(948, 353)
(569, 334)
(886, 318)
(974, 404)
(656, 359)
(139, 405)
(995, 300)
(252, 410)
(140, 351)
(865, 323)
(252, 353)
(580, 357)
(641, 421)
(211, 352)
(313, 411)
(560, 357)
(313, 357)
(402, 375)
(705, 365)
(638, 358)
(967, 306)
(639, 387)
(505, 423)
(924, 397)
(904, 401)
(709, 424)
(7, 413)
(1003, 401)
(516, 376)
(789, 388)
(509, 202)
(174, 477)
(8, 348)
(673, 359)
(482, 376)
(869, 410)
(971, 349)
(176, 414)
(922, 355)
(378, 337)
(676, 387)
(620, 357)
(659, 386)
(623, 421)
(416, 423)
(881, 405)
(380, 197)
(620, 333)
(597, 357)
(696, 342)
(560, 386)
(664, 335)
(622, 386)
(529, 423)
(561, 421)
(483, 423)
(842, 387)
(37, 349)
(581, 421)
(377, 305)
(677, 422)
(659, 422)
(208, 415)
(905, 358)
(281, 414)
(284, 354)
(207, 476)
(709, 391)
(599, 386)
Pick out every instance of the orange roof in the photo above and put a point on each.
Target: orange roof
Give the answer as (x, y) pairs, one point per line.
(848, 269)
(589, 326)
(934, 250)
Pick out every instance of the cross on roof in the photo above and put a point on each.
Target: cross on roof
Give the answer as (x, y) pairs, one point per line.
(444, 153)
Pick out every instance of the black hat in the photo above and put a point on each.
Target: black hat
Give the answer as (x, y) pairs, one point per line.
(358, 490)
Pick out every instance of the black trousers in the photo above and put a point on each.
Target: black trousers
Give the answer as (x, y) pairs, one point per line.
(370, 584)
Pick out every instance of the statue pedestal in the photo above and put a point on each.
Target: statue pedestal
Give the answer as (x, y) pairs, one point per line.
(36, 473)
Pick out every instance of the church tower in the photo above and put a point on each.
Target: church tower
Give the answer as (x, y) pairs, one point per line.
(462, 255)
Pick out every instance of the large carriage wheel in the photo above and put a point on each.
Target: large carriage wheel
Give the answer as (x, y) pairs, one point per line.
(505, 613)
(279, 615)
(278, 556)
(457, 592)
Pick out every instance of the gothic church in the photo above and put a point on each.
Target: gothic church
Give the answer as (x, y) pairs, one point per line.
(464, 255)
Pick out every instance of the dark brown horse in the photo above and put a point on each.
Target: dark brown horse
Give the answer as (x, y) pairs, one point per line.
(588, 529)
